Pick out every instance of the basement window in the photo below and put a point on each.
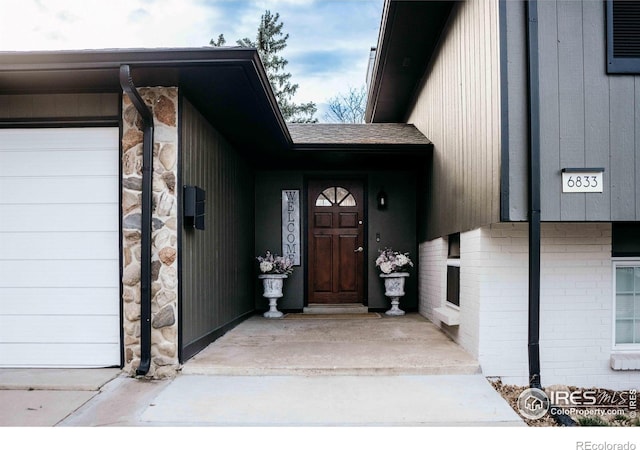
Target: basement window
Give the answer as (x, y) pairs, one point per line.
(453, 270)
(623, 36)
(627, 304)
(625, 250)
(449, 313)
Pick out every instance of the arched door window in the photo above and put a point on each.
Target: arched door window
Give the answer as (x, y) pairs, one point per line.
(335, 196)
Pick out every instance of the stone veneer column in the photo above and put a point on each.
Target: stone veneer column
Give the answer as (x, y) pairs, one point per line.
(163, 102)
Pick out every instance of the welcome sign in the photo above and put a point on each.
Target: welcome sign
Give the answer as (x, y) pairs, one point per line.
(291, 225)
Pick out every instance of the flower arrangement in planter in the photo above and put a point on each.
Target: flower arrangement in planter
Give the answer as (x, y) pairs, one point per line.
(274, 264)
(274, 269)
(390, 261)
(394, 266)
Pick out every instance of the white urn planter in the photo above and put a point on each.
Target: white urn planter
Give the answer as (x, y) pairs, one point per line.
(394, 289)
(272, 284)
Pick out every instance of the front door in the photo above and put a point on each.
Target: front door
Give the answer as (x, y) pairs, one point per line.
(336, 241)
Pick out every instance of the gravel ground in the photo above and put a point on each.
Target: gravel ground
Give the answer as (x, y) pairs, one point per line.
(629, 418)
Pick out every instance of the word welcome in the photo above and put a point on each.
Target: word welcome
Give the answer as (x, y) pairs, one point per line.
(291, 225)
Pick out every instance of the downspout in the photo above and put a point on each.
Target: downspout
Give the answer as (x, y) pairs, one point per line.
(534, 193)
(126, 82)
(533, 87)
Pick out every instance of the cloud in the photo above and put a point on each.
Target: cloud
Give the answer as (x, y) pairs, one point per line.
(27, 25)
(328, 44)
(67, 16)
(322, 62)
(138, 15)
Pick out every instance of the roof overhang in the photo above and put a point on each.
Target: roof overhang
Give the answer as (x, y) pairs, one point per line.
(229, 86)
(409, 35)
(359, 146)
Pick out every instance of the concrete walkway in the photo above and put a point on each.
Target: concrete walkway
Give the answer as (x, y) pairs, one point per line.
(291, 372)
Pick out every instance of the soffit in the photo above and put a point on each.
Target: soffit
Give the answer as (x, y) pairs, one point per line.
(409, 35)
(228, 85)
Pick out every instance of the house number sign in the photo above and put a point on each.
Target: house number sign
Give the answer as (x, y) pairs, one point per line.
(291, 225)
(582, 180)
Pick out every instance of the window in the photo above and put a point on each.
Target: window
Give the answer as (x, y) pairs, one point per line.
(453, 284)
(335, 196)
(453, 270)
(627, 303)
(625, 250)
(454, 246)
(625, 239)
(449, 313)
(623, 36)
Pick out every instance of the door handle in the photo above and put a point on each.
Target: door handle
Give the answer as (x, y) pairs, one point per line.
(358, 250)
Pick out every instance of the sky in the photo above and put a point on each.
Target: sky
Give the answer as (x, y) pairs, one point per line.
(328, 46)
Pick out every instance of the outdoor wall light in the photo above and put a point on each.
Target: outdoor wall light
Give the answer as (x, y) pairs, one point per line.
(382, 199)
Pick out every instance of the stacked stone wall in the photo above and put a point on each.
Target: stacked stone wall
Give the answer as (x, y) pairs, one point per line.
(163, 102)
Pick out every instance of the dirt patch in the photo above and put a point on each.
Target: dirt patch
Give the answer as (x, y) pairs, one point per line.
(623, 413)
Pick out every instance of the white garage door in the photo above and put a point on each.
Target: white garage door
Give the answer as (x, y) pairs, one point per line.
(59, 286)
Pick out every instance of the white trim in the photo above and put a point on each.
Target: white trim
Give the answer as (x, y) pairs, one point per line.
(453, 262)
(447, 314)
(621, 262)
(625, 361)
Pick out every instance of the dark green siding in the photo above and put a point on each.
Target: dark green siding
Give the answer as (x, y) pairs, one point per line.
(397, 226)
(268, 232)
(217, 263)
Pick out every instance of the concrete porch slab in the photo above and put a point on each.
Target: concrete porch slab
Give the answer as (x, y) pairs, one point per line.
(406, 345)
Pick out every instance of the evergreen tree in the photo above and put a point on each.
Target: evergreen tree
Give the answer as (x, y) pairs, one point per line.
(270, 41)
(218, 43)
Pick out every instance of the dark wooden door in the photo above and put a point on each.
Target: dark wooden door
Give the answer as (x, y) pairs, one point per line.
(336, 241)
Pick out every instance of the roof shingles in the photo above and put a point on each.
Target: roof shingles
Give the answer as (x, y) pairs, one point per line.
(354, 134)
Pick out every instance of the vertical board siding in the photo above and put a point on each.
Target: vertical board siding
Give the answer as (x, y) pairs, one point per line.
(458, 108)
(514, 126)
(549, 111)
(217, 263)
(571, 100)
(596, 112)
(622, 148)
(588, 119)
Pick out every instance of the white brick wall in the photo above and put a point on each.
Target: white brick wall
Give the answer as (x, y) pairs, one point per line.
(432, 286)
(503, 265)
(577, 307)
(576, 302)
(470, 283)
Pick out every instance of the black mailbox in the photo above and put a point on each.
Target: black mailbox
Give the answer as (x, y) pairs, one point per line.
(194, 207)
